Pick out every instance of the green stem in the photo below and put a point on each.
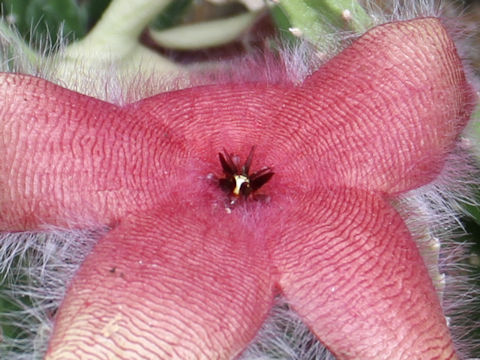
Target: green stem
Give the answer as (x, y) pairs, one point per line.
(314, 20)
(205, 34)
(126, 19)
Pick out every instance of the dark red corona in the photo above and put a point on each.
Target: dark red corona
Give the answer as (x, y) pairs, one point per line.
(238, 181)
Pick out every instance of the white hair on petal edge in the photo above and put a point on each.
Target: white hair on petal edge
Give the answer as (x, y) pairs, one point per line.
(35, 269)
(389, 11)
(38, 267)
(433, 214)
(17, 56)
(284, 336)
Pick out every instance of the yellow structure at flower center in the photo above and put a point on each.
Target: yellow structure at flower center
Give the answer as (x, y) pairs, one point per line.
(239, 181)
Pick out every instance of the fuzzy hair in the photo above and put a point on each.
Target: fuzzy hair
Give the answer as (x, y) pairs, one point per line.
(36, 267)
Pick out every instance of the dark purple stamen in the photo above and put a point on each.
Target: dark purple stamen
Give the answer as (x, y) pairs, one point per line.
(237, 181)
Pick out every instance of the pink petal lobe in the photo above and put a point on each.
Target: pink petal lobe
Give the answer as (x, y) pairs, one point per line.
(181, 283)
(68, 159)
(350, 268)
(383, 114)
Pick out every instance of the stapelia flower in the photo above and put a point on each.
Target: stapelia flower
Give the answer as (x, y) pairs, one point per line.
(192, 264)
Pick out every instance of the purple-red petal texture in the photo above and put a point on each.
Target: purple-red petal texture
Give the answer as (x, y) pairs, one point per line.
(388, 109)
(70, 160)
(349, 267)
(170, 284)
(186, 274)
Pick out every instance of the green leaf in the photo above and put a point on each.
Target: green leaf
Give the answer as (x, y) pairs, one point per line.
(172, 14)
(95, 10)
(44, 18)
(282, 23)
(7, 329)
(313, 20)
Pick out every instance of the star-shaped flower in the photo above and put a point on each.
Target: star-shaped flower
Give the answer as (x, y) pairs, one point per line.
(192, 264)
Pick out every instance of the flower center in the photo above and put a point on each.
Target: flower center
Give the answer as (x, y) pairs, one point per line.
(242, 182)
(238, 181)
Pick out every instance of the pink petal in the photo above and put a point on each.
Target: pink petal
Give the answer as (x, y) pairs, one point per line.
(379, 117)
(68, 159)
(350, 268)
(383, 114)
(186, 282)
